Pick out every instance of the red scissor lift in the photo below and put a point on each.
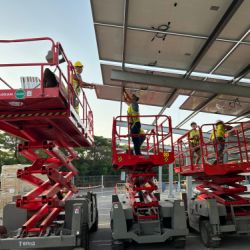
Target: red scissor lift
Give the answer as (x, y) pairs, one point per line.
(219, 204)
(44, 119)
(139, 214)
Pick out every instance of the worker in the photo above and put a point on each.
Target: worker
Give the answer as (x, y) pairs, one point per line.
(78, 83)
(50, 80)
(218, 138)
(194, 137)
(134, 120)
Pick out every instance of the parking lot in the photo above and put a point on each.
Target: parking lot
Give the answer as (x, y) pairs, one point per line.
(101, 240)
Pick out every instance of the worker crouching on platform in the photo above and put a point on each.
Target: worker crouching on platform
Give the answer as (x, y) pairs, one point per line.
(218, 139)
(134, 120)
(194, 138)
(78, 83)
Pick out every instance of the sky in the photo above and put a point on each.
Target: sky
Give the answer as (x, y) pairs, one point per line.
(70, 23)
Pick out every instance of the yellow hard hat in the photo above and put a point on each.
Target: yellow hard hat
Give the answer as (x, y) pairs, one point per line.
(78, 64)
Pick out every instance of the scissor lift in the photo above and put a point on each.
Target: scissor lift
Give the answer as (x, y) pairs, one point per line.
(140, 214)
(44, 119)
(219, 205)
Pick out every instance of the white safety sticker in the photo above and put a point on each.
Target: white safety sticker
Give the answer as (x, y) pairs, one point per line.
(77, 211)
(29, 93)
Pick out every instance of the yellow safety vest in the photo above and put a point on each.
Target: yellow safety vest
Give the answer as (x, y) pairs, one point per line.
(194, 137)
(142, 132)
(134, 116)
(219, 131)
(76, 85)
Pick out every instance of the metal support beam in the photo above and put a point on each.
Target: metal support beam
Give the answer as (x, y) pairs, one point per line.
(171, 180)
(125, 24)
(160, 179)
(236, 79)
(217, 30)
(169, 33)
(241, 74)
(199, 109)
(172, 82)
(243, 116)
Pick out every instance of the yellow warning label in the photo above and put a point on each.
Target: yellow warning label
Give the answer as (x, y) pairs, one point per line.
(166, 156)
(43, 114)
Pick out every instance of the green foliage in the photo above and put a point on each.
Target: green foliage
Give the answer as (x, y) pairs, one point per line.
(95, 160)
(8, 151)
(91, 161)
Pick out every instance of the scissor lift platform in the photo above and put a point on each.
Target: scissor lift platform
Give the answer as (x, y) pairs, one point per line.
(139, 214)
(45, 119)
(219, 205)
(45, 114)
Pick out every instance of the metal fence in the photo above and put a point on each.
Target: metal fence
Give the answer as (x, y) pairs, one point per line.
(99, 180)
(103, 180)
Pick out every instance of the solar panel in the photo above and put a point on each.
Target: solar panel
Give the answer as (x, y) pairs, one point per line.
(146, 97)
(225, 105)
(170, 50)
(171, 34)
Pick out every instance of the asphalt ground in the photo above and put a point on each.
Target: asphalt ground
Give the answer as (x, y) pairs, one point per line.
(101, 240)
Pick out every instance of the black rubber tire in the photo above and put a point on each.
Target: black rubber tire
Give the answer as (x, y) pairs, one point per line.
(3, 232)
(179, 242)
(158, 196)
(85, 236)
(206, 235)
(118, 245)
(95, 225)
(190, 229)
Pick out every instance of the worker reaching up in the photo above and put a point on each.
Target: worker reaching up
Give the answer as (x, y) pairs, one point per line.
(218, 138)
(78, 83)
(134, 120)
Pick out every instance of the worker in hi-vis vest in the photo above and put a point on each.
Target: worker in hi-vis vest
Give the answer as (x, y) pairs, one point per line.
(218, 138)
(134, 120)
(78, 83)
(194, 136)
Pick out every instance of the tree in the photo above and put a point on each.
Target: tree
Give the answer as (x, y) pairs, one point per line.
(91, 161)
(8, 151)
(95, 160)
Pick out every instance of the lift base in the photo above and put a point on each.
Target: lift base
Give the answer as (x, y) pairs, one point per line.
(213, 219)
(71, 229)
(170, 224)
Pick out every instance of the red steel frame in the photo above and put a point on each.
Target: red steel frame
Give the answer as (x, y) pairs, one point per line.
(140, 183)
(47, 199)
(220, 181)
